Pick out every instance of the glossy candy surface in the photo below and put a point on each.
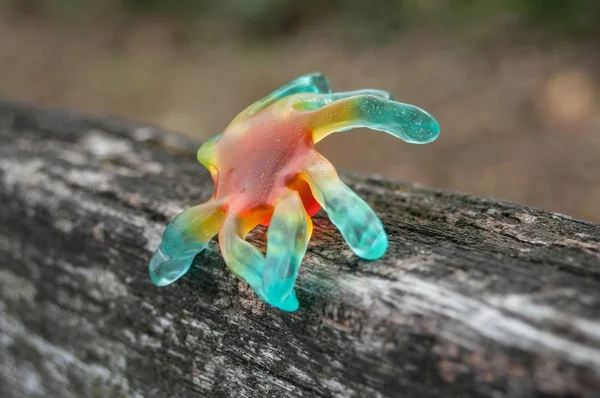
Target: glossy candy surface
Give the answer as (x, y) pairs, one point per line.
(267, 171)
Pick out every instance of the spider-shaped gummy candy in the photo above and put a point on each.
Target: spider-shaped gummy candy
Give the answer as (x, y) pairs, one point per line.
(266, 170)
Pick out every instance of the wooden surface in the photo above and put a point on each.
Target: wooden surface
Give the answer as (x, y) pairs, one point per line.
(475, 297)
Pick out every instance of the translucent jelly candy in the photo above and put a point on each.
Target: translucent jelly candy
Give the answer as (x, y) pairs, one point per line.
(266, 170)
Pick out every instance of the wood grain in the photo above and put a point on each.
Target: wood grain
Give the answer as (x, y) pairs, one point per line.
(475, 297)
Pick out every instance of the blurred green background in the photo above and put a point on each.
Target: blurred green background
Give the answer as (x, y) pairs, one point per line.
(513, 83)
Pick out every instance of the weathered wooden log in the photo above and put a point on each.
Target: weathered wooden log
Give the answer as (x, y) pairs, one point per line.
(475, 297)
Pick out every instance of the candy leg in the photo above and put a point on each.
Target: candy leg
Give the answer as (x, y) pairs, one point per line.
(313, 102)
(206, 153)
(272, 278)
(287, 239)
(344, 111)
(358, 223)
(310, 83)
(241, 257)
(185, 236)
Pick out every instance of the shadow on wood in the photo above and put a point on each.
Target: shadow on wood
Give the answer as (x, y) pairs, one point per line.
(475, 297)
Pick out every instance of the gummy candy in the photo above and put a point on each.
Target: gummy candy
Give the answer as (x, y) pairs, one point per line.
(266, 171)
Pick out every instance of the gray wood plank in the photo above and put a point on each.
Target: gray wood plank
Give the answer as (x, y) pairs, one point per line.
(475, 297)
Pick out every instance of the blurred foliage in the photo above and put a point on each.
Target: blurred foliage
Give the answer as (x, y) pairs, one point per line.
(379, 19)
(572, 17)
